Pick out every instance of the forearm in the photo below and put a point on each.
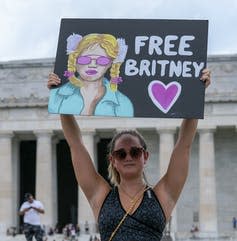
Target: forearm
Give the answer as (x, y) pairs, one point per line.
(39, 210)
(71, 129)
(179, 162)
(24, 211)
(82, 163)
(187, 132)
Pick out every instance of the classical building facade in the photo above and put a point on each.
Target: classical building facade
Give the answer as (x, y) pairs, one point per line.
(34, 156)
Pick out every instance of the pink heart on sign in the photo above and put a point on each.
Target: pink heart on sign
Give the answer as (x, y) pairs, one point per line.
(164, 96)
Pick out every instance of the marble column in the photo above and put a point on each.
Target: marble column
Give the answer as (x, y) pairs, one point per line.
(7, 207)
(55, 141)
(166, 147)
(45, 175)
(16, 178)
(84, 210)
(207, 209)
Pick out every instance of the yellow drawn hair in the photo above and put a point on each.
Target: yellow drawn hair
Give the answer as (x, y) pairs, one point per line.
(106, 41)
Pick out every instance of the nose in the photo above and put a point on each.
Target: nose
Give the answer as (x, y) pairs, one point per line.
(128, 157)
(93, 63)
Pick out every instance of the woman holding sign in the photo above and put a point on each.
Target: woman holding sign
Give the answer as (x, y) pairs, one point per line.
(130, 210)
(88, 91)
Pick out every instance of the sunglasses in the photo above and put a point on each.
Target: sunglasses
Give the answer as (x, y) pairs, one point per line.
(101, 60)
(134, 152)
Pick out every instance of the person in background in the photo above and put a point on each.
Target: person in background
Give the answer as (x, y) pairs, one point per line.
(31, 210)
(234, 222)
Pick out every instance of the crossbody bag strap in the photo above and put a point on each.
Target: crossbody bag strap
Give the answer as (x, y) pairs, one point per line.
(126, 214)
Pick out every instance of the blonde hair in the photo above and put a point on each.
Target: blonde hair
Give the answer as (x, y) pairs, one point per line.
(106, 41)
(114, 176)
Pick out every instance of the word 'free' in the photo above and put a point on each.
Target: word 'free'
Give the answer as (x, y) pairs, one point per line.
(171, 45)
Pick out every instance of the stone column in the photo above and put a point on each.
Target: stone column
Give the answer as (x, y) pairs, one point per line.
(165, 150)
(55, 141)
(207, 209)
(45, 175)
(16, 179)
(7, 207)
(84, 210)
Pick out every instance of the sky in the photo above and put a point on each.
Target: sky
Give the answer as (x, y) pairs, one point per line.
(30, 28)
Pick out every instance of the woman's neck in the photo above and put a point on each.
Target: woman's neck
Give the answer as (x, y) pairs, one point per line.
(132, 186)
(93, 84)
(131, 190)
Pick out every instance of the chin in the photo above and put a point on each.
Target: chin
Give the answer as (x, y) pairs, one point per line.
(90, 79)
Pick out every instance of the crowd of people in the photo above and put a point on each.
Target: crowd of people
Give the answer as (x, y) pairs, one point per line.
(71, 232)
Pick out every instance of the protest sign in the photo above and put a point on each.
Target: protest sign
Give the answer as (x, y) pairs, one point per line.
(131, 68)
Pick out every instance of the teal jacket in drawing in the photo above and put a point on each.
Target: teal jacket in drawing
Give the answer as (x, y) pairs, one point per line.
(67, 99)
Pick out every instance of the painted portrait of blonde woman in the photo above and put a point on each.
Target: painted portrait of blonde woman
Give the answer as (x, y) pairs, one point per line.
(87, 91)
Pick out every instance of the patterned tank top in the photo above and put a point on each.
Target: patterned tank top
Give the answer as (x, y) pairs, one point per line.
(145, 224)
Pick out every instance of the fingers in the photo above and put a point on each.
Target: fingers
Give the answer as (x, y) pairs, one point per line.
(206, 77)
(53, 80)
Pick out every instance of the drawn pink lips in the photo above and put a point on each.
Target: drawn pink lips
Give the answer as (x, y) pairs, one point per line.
(91, 72)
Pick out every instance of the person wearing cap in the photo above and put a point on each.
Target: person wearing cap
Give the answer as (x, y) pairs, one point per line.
(31, 210)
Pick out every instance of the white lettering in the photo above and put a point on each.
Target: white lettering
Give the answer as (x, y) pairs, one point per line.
(144, 67)
(163, 64)
(130, 67)
(183, 45)
(154, 45)
(187, 69)
(175, 69)
(198, 68)
(139, 42)
(153, 67)
(169, 45)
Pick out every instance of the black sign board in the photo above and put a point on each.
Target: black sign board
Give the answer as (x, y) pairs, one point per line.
(130, 67)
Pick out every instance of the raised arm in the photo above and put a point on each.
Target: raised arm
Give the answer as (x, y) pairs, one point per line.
(92, 184)
(171, 184)
(83, 166)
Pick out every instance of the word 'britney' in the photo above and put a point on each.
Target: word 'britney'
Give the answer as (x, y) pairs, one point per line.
(171, 45)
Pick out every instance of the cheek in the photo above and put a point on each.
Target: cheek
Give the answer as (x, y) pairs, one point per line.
(117, 165)
(102, 69)
(80, 68)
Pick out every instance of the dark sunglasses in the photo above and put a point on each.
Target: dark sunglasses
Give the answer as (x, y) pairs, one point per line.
(134, 152)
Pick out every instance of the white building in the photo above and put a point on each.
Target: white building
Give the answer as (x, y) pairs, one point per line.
(34, 156)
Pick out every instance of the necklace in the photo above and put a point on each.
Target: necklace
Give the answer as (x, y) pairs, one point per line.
(132, 198)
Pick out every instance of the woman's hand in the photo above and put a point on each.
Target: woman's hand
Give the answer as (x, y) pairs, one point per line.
(91, 96)
(53, 80)
(206, 77)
